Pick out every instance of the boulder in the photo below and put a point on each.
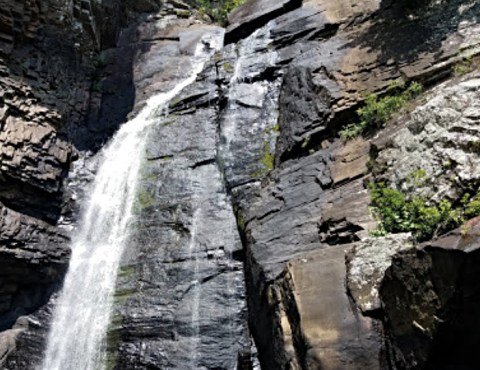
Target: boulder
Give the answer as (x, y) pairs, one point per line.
(430, 297)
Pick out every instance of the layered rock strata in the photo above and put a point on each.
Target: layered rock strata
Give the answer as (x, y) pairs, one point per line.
(319, 60)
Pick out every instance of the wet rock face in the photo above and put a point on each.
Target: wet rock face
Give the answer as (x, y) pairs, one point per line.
(46, 67)
(253, 15)
(33, 260)
(44, 89)
(180, 300)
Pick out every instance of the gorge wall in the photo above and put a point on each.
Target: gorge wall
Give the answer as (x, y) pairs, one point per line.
(248, 196)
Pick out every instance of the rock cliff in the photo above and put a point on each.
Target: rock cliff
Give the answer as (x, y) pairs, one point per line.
(251, 207)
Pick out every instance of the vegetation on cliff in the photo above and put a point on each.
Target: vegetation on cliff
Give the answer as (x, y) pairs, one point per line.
(399, 211)
(378, 110)
(218, 10)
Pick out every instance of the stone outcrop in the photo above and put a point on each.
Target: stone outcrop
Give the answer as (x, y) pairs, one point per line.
(367, 263)
(423, 293)
(438, 138)
(430, 297)
(244, 20)
(327, 331)
(320, 60)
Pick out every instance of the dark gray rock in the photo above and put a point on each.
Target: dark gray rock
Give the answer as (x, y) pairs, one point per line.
(253, 100)
(430, 297)
(34, 259)
(254, 14)
(25, 342)
(304, 110)
(180, 300)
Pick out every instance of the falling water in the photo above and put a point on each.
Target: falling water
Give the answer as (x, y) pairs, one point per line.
(195, 324)
(213, 230)
(82, 314)
(248, 58)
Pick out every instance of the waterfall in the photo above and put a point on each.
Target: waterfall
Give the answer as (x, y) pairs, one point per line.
(82, 314)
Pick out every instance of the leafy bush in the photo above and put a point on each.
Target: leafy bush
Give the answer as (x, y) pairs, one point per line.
(377, 111)
(398, 213)
(218, 10)
(472, 206)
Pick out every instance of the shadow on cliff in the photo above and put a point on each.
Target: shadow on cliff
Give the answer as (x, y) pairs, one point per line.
(404, 30)
(112, 95)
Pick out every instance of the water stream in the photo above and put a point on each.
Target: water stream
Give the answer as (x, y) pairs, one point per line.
(82, 314)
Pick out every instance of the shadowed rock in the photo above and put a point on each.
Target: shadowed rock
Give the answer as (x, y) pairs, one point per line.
(431, 299)
(254, 14)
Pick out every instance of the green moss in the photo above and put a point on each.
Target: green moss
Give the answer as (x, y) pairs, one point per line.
(97, 86)
(227, 67)
(305, 142)
(268, 158)
(240, 218)
(377, 111)
(126, 272)
(268, 162)
(182, 13)
(218, 56)
(447, 164)
(121, 296)
(472, 208)
(466, 65)
(113, 342)
(144, 200)
(100, 61)
(417, 178)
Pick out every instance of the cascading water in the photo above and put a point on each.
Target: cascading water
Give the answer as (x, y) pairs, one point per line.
(250, 113)
(82, 314)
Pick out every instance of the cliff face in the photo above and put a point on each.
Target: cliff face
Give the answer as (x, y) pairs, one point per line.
(51, 114)
(248, 166)
(43, 90)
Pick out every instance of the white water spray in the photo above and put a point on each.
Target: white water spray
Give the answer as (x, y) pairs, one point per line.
(243, 67)
(77, 337)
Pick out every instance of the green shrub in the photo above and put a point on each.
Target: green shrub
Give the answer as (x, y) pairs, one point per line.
(377, 111)
(218, 10)
(472, 207)
(397, 212)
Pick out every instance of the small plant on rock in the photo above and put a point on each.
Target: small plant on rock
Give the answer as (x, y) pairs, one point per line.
(397, 212)
(218, 10)
(466, 65)
(377, 111)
